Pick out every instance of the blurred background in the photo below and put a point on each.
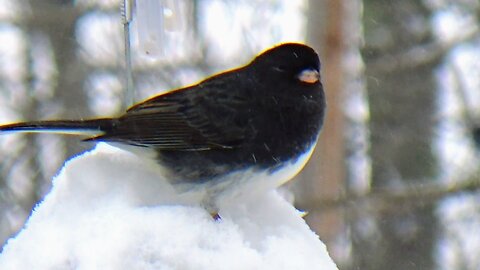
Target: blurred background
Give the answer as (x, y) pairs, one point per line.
(394, 182)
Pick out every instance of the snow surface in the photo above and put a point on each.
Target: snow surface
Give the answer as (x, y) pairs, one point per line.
(110, 209)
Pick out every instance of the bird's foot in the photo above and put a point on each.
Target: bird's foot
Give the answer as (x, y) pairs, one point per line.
(216, 216)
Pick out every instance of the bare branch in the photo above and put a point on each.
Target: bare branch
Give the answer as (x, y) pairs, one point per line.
(420, 55)
(386, 200)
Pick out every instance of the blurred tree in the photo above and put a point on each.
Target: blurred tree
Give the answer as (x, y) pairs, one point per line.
(402, 109)
(324, 175)
(56, 21)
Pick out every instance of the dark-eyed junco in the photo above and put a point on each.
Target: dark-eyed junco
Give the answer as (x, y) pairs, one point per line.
(257, 124)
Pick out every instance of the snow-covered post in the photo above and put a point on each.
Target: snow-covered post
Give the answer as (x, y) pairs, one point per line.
(111, 209)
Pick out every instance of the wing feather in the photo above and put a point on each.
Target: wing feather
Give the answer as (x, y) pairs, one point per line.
(185, 119)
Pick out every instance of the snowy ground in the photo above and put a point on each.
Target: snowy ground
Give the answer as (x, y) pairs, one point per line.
(108, 209)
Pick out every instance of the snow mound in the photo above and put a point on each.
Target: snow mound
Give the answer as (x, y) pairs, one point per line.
(109, 209)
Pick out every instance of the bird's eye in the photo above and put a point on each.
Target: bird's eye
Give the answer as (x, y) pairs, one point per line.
(279, 69)
(309, 76)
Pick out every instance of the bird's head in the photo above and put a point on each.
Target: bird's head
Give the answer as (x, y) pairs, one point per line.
(291, 62)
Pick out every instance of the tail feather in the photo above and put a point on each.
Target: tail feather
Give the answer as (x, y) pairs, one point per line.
(82, 127)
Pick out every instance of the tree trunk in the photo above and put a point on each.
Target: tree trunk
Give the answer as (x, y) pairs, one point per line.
(402, 106)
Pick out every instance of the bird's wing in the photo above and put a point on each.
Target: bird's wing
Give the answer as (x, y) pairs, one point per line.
(185, 119)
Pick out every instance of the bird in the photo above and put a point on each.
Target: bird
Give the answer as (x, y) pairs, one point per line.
(250, 127)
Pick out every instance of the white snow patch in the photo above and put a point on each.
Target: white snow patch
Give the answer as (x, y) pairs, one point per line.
(109, 209)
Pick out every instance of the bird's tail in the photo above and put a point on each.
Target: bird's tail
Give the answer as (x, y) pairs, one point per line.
(77, 127)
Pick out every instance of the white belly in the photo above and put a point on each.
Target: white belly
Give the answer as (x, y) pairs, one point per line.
(241, 185)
